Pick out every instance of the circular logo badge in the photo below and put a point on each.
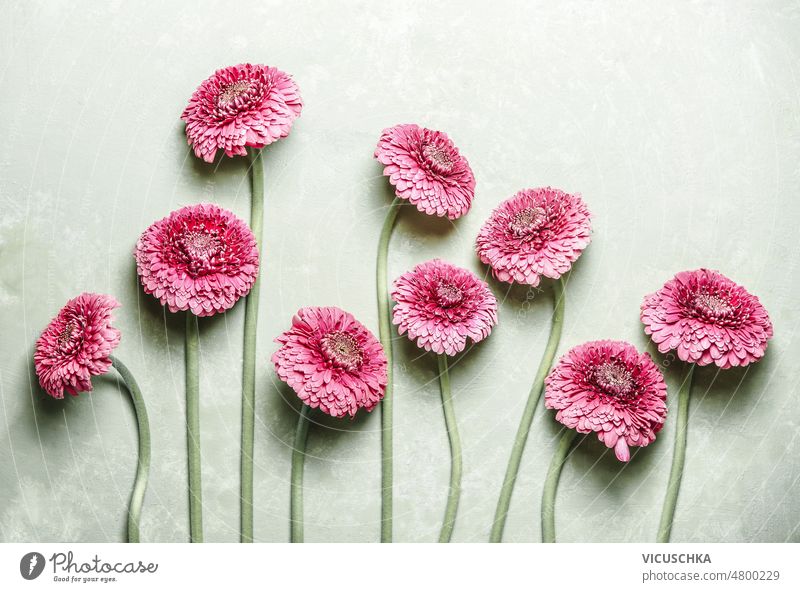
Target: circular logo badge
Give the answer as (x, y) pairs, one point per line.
(31, 565)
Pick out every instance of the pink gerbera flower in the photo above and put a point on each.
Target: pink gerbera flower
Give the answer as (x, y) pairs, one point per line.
(707, 318)
(76, 345)
(200, 258)
(331, 361)
(441, 305)
(239, 106)
(426, 168)
(610, 388)
(538, 232)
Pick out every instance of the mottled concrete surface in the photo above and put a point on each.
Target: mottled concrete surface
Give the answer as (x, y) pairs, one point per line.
(678, 122)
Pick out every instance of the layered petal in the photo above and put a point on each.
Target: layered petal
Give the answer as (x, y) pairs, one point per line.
(537, 232)
(240, 106)
(333, 362)
(707, 318)
(201, 258)
(76, 345)
(427, 169)
(441, 307)
(609, 388)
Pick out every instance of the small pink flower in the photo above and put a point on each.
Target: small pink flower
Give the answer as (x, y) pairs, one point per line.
(707, 318)
(76, 345)
(610, 388)
(200, 258)
(331, 361)
(244, 105)
(441, 305)
(538, 232)
(426, 168)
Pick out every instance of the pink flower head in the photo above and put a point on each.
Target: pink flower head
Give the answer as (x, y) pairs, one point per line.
(441, 305)
(426, 168)
(200, 258)
(331, 361)
(707, 318)
(245, 105)
(610, 388)
(76, 345)
(538, 232)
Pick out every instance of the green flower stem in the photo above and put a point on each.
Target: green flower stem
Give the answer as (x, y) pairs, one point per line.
(527, 416)
(551, 485)
(678, 459)
(143, 463)
(249, 352)
(193, 428)
(298, 462)
(385, 326)
(456, 461)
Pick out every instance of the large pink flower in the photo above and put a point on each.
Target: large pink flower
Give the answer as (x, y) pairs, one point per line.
(200, 258)
(426, 169)
(707, 318)
(244, 105)
(331, 361)
(441, 305)
(76, 345)
(610, 388)
(538, 232)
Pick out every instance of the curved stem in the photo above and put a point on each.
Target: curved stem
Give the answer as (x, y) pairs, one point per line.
(143, 462)
(249, 352)
(455, 452)
(527, 415)
(193, 428)
(298, 462)
(384, 326)
(551, 485)
(678, 459)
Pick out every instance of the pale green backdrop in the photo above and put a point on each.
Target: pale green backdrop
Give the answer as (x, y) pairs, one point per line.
(678, 123)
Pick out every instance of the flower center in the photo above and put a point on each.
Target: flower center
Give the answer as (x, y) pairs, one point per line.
(200, 245)
(448, 294)
(614, 379)
(712, 305)
(438, 158)
(66, 334)
(527, 220)
(342, 348)
(230, 92)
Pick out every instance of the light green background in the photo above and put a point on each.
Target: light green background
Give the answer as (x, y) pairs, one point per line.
(678, 123)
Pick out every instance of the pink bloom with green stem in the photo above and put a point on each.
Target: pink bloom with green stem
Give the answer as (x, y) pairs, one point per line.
(247, 105)
(537, 233)
(200, 259)
(78, 344)
(334, 364)
(442, 307)
(603, 387)
(427, 170)
(707, 319)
